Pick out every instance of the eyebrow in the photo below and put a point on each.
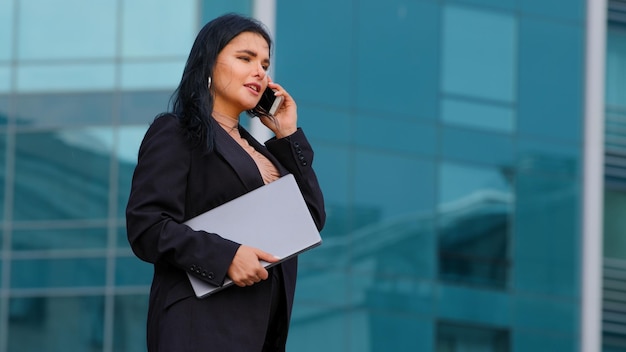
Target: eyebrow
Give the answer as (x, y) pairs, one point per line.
(251, 53)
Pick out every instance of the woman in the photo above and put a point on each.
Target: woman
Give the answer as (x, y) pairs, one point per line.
(196, 158)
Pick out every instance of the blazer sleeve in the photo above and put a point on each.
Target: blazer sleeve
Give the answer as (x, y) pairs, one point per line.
(156, 208)
(295, 153)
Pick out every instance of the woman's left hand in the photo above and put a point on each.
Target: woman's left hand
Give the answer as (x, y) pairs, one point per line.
(285, 121)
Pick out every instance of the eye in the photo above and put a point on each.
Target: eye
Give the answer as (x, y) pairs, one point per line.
(266, 67)
(244, 58)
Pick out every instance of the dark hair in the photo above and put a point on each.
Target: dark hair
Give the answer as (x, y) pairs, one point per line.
(192, 100)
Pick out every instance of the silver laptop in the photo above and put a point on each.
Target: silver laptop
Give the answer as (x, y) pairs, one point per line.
(273, 218)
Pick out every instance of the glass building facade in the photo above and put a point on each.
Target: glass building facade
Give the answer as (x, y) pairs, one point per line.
(449, 138)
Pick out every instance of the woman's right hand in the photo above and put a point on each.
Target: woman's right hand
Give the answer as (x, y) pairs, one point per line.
(246, 268)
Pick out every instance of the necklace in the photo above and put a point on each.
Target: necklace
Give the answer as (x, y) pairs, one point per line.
(226, 121)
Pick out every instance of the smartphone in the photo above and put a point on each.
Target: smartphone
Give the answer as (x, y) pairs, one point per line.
(269, 103)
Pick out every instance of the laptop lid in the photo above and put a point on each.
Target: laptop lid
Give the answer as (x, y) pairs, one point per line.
(273, 218)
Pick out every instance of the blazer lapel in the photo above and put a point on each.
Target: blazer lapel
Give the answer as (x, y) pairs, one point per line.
(240, 161)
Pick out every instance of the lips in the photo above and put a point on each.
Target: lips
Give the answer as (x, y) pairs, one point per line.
(254, 87)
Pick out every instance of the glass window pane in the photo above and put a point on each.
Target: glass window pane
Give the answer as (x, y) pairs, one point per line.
(404, 136)
(50, 238)
(292, 68)
(400, 212)
(543, 71)
(65, 77)
(573, 10)
(214, 8)
(131, 271)
(614, 224)
(58, 272)
(453, 337)
(616, 67)
(129, 139)
(547, 211)
(170, 31)
(142, 107)
(56, 324)
(397, 58)
(478, 114)
(6, 31)
(129, 325)
(479, 50)
(475, 208)
(66, 29)
(152, 75)
(5, 78)
(3, 173)
(64, 109)
(62, 175)
(478, 146)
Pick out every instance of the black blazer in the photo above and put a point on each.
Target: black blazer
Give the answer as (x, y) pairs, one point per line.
(174, 182)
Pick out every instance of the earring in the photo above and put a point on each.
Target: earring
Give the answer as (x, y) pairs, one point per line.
(209, 85)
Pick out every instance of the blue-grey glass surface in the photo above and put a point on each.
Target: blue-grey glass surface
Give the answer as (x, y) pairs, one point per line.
(131, 271)
(3, 174)
(478, 114)
(474, 221)
(316, 63)
(397, 62)
(550, 62)
(478, 146)
(169, 32)
(478, 54)
(547, 227)
(66, 29)
(64, 109)
(511, 5)
(129, 323)
(147, 74)
(62, 174)
(556, 10)
(56, 324)
(46, 273)
(5, 78)
(383, 132)
(128, 141)
(614, 224)
(39, 77)
(6, 30)
(616, 67)
(453, 337)
(481, 306)
(59, 238)
(213, 8)
(388, 331)
(141, 107)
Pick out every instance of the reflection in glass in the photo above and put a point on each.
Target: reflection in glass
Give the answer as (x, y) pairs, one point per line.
(50, 238)
(459, 338)
(58, 272)
(475, 208)
(63, 174)
(478, 114)
(66, 77)
(141, 107)
(152, 75)
(131, 271)
(616, 67)
(162, 38)
(6, 32)
(56, 324)
(128, 141)
(5, 78)
(129, 325)
(479, 53)
(66, 29)
(69, 109)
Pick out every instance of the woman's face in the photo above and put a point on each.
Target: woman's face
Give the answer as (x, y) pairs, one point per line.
(239, 76)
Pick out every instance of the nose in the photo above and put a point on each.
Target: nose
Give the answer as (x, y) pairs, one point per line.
(260, 71)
